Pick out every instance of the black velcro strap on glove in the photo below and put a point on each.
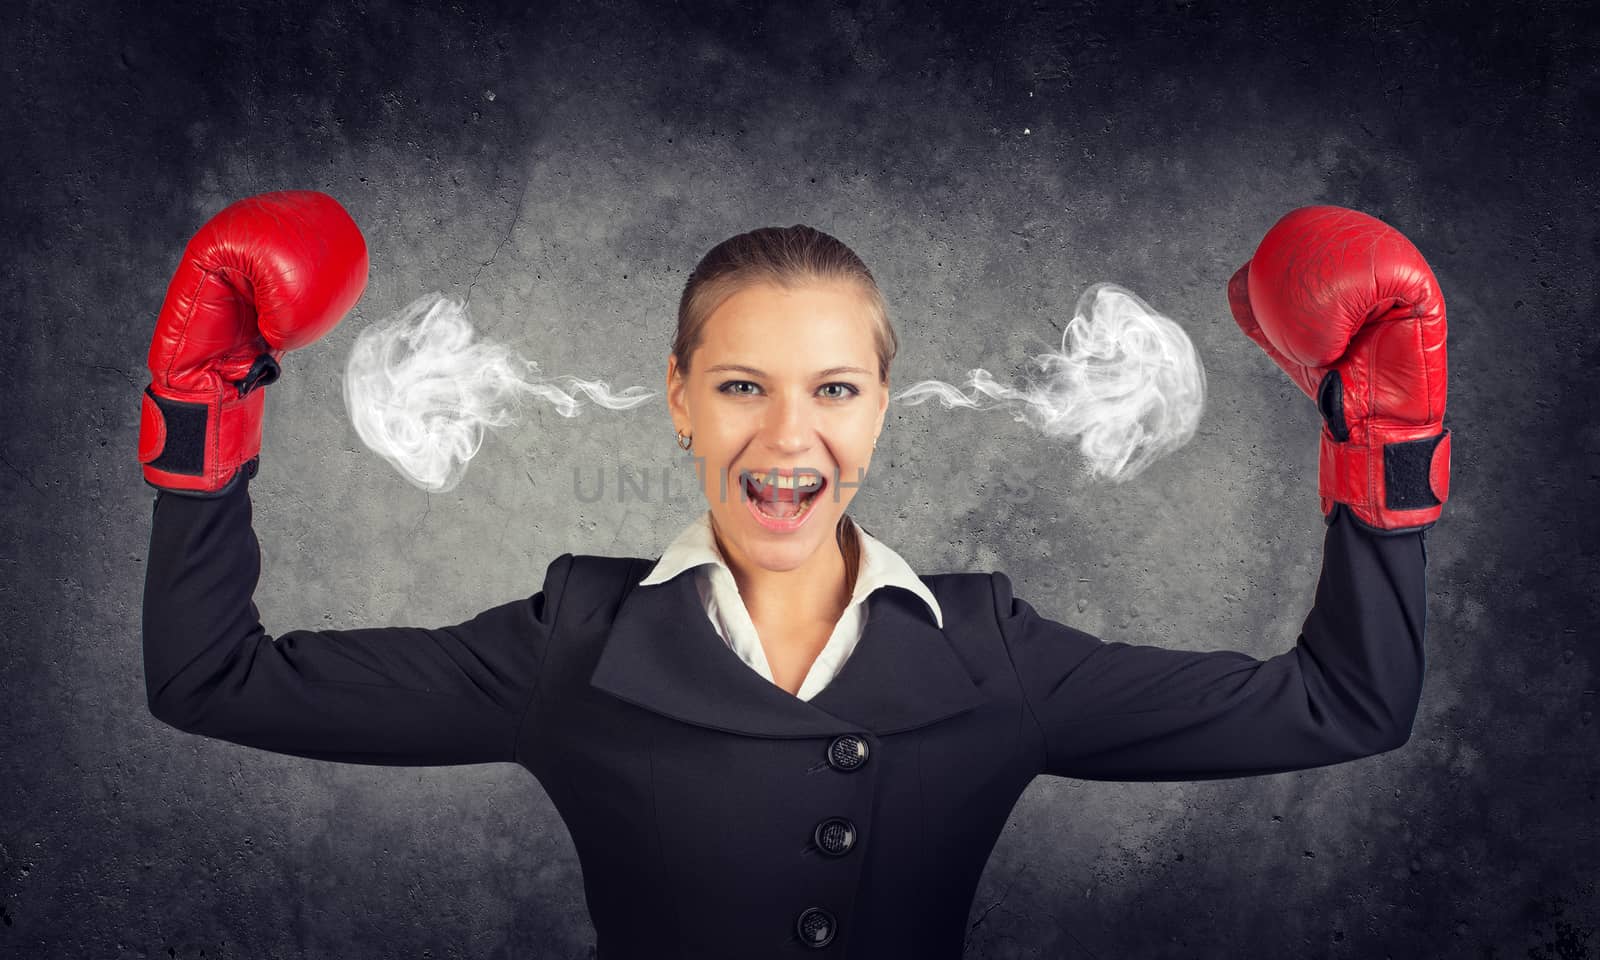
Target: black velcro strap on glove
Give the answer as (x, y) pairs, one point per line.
(1405, 474)
(185, 424)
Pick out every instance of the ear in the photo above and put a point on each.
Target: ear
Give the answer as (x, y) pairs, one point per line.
(677, 393)
(883, 405)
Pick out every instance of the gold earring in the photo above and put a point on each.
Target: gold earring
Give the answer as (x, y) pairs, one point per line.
(684, 442)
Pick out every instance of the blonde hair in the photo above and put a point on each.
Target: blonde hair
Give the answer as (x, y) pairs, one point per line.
(787, 257)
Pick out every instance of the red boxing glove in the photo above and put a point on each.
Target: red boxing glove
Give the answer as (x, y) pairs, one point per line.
(268, 274)
(1349, 309)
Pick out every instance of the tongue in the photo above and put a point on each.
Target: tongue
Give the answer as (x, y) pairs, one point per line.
(782, 509)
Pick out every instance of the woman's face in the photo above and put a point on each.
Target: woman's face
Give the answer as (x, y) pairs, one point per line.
(783, 379)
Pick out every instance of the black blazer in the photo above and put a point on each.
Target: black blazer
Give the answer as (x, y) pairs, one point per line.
(716, 815)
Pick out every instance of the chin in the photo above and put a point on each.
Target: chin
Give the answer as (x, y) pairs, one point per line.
(779, 561)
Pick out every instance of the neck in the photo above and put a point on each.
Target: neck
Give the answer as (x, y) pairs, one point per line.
(817, 590)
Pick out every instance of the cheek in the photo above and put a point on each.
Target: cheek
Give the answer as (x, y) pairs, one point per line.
(722, 439)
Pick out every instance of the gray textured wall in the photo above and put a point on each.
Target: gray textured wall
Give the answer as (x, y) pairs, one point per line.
(567, 166)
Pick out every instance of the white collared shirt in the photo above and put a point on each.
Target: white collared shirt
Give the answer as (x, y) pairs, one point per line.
(696, 547)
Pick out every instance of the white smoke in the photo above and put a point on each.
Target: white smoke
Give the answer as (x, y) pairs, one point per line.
(420, 391)
(1127, 384)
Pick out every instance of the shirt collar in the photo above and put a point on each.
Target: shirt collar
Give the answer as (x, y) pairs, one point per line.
(880, 566)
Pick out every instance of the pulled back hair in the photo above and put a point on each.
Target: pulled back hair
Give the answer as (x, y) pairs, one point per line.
(787, 257)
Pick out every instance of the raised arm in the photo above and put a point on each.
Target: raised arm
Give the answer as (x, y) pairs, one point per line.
(1348, 308)
(1349, 687)
(267, 275)
(391, 695)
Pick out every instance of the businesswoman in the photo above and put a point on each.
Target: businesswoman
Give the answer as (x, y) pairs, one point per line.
(776, 739)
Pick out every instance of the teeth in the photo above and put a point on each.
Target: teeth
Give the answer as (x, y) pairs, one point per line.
(806, 481)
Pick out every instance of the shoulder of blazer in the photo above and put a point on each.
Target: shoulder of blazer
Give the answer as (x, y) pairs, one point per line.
(600, 584)
(956, 581)
(962, 594)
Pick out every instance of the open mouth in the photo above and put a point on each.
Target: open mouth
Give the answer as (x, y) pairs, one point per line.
(782, 498)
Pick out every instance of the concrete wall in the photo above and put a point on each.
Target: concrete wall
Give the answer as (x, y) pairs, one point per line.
(567, 166)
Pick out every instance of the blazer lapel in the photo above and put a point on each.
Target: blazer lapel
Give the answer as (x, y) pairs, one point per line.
(662, 653)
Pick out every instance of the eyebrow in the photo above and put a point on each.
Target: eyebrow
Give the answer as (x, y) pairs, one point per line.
(831, 371)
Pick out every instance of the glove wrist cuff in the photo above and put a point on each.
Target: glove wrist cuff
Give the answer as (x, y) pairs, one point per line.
(1396, 481)
(193, 442)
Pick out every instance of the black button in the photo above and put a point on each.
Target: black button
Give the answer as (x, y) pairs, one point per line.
(815, 927)
(847, 752)
(835, 836)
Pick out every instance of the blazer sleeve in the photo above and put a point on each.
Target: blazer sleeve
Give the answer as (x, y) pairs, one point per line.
(394, 695)
(1348, 688)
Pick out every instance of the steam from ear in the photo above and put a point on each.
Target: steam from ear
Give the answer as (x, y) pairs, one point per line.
(420, 391)
(1127, 384)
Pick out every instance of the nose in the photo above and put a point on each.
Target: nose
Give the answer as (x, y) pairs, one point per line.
(789, 424)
